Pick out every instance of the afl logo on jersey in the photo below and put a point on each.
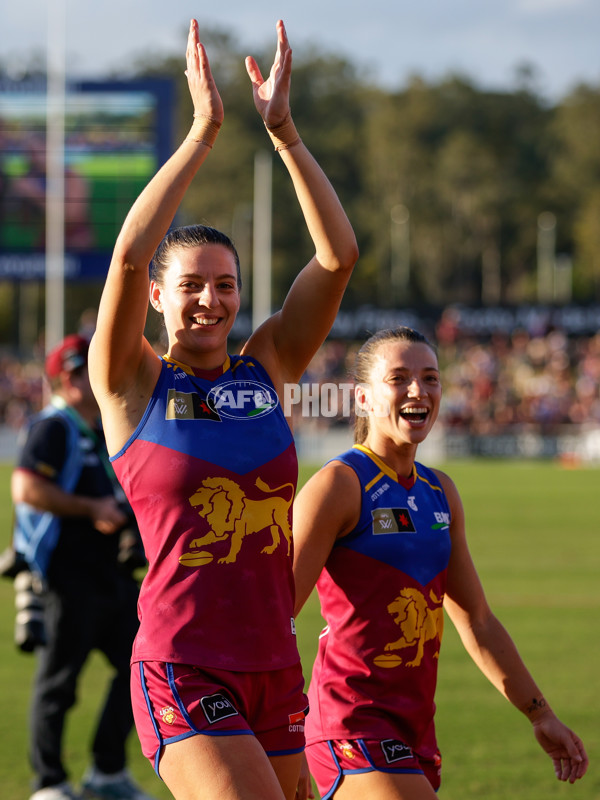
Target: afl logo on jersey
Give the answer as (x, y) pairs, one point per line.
(243, 399)
(392, 520)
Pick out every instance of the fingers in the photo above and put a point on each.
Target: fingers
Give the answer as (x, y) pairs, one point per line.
(195, 53)
(282, 39)
(191, 52)
(203, 91)
(253, 71)
(283, 52)
(573, 765)
(569, 769)
(203, 62)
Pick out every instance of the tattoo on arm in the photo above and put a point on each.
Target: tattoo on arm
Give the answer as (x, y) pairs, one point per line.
(536, 705)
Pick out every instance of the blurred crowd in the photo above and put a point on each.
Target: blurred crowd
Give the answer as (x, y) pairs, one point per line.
(507, 381)
(513, 382)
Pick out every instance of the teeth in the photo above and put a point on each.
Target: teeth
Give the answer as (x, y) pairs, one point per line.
(414, 410)
(206, 322)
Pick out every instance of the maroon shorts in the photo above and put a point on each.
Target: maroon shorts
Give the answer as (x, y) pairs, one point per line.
(174, 701)
(329, 761)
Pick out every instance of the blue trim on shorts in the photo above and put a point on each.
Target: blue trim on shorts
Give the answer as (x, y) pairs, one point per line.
(293, 752)
(337, 780)
(180, 737)
(188, 719)
(151, 715)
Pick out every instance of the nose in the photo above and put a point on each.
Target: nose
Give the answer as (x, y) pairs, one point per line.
(415, 388)
(208, 296)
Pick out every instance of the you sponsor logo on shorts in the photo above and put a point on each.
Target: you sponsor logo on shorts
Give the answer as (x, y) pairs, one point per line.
(395, 750)
(217, 707)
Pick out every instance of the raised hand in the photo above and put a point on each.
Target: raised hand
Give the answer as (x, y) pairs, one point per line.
(272, 96)
(203, 90)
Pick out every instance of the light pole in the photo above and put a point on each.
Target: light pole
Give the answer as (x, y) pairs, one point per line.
(400, 252)
(55, 174)
(261, 252)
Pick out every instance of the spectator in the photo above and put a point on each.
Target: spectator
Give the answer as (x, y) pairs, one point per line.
(68, 520)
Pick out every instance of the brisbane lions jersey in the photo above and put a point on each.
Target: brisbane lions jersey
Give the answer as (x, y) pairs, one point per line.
(210, 473)
(381, 594)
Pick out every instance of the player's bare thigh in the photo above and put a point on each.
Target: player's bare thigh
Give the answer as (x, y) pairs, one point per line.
(384, 786)
(226, 768)
(287, 769)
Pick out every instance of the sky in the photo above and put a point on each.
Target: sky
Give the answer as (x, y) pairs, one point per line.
(388, 40)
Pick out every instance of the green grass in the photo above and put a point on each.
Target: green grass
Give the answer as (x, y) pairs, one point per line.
(534, 536)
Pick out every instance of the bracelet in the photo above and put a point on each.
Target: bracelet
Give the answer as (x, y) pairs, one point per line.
(284, 135)
(204, 130)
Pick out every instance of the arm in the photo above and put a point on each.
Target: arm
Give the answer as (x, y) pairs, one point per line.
(289, 339)
(123, 367)
(27, 487)
(492, 649)
(319, 519)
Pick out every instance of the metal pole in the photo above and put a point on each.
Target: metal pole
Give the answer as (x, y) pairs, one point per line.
(546, 246)
(55, 174)
(261, 258)
(400, 251)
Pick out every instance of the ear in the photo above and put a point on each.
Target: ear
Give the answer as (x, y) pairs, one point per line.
(362, 400)
(156, 297)
(69, 387)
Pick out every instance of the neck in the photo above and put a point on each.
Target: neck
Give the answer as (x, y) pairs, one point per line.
(211, 359)
(400, 458)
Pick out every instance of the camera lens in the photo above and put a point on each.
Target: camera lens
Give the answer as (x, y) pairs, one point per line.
(29, 622)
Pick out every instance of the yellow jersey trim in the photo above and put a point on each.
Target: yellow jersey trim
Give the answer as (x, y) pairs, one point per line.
(189, 370)
(385, 470)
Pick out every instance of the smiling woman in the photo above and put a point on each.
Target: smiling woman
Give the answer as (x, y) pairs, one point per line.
(198, 294)
(387, 562)
(202, 448)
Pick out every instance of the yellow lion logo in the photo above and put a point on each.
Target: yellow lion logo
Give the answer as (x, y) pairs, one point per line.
(232, 515)
(418, 622)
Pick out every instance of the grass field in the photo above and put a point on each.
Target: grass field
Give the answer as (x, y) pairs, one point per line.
(534, 537)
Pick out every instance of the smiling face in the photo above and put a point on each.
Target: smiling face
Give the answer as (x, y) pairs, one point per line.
(199, 299)
(402, 397)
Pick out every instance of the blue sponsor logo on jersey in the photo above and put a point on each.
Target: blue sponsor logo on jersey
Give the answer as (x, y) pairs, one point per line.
(243, 399)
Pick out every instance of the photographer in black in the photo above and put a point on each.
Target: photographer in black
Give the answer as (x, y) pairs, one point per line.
(70, 527)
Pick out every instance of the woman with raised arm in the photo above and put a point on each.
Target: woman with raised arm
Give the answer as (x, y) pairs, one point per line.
(383, 538)
(201, 447)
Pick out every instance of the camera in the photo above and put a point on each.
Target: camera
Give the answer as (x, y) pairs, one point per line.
(29, 602)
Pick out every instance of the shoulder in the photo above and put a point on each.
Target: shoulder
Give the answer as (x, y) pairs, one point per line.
(334, 490)
(445, 481)
(50, 424)
(260, 347)
(335, 474)
(451, 492)
(44, 444)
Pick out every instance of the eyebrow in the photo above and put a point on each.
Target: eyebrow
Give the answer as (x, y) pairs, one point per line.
(197, 276)
(423, 369)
